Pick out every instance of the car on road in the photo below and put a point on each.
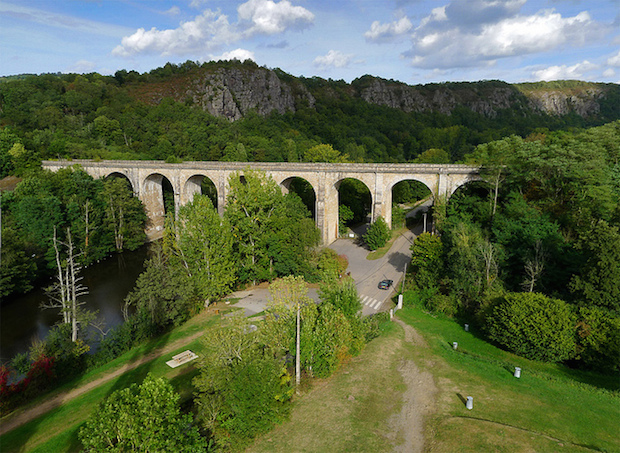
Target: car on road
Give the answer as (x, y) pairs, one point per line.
(385, 284)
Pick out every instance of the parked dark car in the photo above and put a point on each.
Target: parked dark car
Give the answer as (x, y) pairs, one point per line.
(385, 284)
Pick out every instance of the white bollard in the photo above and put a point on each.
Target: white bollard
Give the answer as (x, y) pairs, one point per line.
(517, 372)
(455, 345)
(466, 327)
(400, 302)
(470, 403)
(391, 313)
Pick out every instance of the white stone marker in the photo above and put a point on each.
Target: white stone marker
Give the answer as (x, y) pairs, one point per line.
(470, 403)
(455, 345)
(400, 302)
(466, 327)
(517, 372)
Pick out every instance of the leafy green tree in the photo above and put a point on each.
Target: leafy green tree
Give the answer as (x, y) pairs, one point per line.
(242, 388)
(598, 282)
(598, 338)
(345, 215)
(202, 246)
(342, 294)
(433, 156)
(273, 234)
(124, 215)
(427, 260)
(324, 153)
(378, 234)
(161, 296)
(144, 417)
(292, 292)
(522, 229)
(533, 326)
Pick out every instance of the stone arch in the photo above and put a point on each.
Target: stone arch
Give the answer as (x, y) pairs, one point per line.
(310, 200)
(152, 197)
(120, 174)
(196, 184)
(389, 195)
(477, 187)
(368, 204)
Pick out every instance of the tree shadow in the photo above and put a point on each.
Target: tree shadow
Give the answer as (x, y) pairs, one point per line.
(462, 398)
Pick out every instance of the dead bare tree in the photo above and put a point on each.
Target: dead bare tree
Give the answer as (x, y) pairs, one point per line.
(534, 268)
(64, 294)
(489, 256)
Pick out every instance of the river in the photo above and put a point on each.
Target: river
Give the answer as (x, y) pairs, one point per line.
(108, 283)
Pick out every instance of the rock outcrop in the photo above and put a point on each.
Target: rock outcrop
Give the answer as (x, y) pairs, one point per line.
(232, 92)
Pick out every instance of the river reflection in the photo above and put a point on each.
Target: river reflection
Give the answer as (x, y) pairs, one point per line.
(108, 284)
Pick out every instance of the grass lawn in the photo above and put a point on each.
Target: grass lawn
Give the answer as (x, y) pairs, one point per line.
(550, 408)
(349, 411)
(56, 431)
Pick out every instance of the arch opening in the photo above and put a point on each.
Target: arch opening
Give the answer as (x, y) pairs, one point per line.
(158, 199)
(408, 204)
(118, 175)
(354, 206)
(304, 190)
(473, 199)
(203, 185)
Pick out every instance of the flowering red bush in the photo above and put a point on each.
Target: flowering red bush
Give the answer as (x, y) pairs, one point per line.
(39, 377)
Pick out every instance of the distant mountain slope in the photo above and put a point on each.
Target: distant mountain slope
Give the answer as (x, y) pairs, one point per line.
(233, 90)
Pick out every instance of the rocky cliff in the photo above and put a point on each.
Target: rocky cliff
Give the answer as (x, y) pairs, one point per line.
(230, 93)
(233, 91)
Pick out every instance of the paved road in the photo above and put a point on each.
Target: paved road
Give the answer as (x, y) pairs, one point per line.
(366, 273)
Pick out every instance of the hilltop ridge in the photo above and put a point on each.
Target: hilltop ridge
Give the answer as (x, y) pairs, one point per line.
(232, 89)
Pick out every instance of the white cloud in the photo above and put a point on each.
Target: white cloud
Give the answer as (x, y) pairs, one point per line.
(82, 67)
(609, 73)
(205, 32)
(382, 32)
(237, 54)
(174, 11)
(472, 33)
(614, 60)
(197, 4)
(564, 72)
(211, 29)
(333, 59)
(270, 18)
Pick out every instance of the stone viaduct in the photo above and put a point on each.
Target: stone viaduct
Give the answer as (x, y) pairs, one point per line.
(146, 179)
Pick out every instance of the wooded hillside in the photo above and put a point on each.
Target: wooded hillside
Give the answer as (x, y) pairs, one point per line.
(240, 111)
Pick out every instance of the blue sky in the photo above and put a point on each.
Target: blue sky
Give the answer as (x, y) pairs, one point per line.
(414, 41)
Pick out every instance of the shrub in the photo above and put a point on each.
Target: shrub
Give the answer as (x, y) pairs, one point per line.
(377, 234)
(598, 338)
(533, 326)
(329, 262)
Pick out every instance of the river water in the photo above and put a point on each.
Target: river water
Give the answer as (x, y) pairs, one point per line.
(108, 283)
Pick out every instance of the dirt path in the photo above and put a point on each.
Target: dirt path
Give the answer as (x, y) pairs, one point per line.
(19, 418)
(418, 398)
